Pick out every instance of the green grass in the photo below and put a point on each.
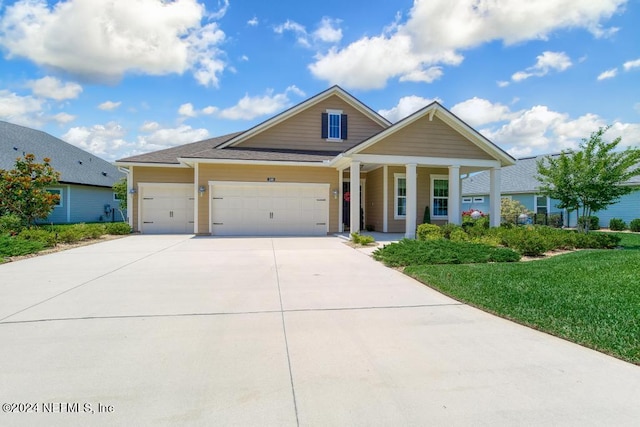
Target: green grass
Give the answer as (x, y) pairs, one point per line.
(590, 297)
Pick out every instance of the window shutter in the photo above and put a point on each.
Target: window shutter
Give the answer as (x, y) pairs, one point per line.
(343, 126)
(325, 126)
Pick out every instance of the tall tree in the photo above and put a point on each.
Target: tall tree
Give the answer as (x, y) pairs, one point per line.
(23, 189)
(591, 178)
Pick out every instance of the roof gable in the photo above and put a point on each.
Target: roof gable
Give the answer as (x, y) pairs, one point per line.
(335, 95)
(451, 137)
(74, 164)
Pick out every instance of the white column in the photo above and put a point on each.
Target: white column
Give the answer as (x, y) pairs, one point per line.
(495, 197)
(130, 197)
(454, 213)
(385, 198)
(340, 201)
(196, 195)
(412, 201)
(355, 197)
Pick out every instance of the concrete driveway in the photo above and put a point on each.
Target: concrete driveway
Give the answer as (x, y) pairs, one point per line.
(176, 330)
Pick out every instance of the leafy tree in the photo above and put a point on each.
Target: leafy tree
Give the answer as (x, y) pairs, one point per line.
(23, 189)
(510, 210)
(120, 188)
(590, 179)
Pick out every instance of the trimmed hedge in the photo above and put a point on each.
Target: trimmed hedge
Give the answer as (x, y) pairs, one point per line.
(617, 224)
(634, 225)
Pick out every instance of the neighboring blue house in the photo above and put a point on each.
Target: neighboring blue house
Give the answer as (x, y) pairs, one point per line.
(85, 185)
(519, 182)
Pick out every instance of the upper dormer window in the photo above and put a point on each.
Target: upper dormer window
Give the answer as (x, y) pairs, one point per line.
(334, 125)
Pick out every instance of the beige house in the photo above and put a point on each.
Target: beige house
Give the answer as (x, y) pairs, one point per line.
(293, 174)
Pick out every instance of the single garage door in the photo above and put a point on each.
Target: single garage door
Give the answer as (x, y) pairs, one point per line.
(166, 208)
(269, 209)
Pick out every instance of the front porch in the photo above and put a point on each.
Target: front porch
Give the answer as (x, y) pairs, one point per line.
(394, 192)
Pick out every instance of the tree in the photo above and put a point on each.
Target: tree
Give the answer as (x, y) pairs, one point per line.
(590, 179)
(120, 188)
(510, 210)
(23, 189)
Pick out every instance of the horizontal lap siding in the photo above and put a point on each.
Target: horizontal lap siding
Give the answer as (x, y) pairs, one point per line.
(303, 131)
(429, 139)
(374, 199)
(246, 173)
(157, 175)
(87, 204)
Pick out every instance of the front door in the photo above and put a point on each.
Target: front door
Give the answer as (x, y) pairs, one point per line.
(346, 207)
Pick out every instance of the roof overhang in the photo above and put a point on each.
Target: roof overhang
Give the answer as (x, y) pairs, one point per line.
(151, 165)
(191, 162)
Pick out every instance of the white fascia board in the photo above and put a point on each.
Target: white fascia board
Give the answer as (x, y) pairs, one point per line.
(424, 161)
(151, 165)
(257, 162)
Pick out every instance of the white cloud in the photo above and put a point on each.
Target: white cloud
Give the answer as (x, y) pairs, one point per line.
(436, 31)
(117, 37)
(502, 83)
(23, 110)
(209, 111)
(162, 138)
(298, 29)
(149, 126)
(101, 140)
(50, 87)
(109, 105)
(629, 65)
(547, 62)
(253, 22)
(328, 31)
(480, 112)
(244, 58)
(406, 105)
(427, 76)
(250, 107)
(187, 110)
(64, 118)
(609, 74)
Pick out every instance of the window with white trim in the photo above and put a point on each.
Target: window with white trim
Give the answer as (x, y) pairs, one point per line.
(439, 196)
(467, 199)
(334, 125)
(542, 204)
(478, 200)
(57, 191)
(400, 199)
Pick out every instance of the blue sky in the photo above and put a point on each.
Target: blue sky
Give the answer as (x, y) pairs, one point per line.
(122, 77)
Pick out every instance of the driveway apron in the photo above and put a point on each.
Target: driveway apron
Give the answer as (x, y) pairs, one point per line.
(183, 330)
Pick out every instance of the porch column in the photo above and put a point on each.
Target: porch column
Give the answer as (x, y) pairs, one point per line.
(412, 201)
(454, 214)
(495, 197)
(355, 197)
(340, 201)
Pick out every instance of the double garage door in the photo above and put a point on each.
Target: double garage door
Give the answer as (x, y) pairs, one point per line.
(238, 209)
(269, 209)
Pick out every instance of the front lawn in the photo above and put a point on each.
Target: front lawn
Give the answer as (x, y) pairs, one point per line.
(590, 297)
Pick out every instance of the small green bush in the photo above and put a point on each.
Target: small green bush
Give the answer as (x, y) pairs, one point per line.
(526, 240)
(10, 224)
(594, 222)
(555, 220)
(34, 234)
(15, 247)
(617, 224)
(359, 239)
(458, 235)
(70, 235)
(429, 232)
(597, 240)
(634, 225)
(118, 228)
(449, 228)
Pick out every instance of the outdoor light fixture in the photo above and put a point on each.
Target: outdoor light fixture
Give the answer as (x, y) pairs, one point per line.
(132, 191)
(201, 189)
(335, 194)
(476, 214)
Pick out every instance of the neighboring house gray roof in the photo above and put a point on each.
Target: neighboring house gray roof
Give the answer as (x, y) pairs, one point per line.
(207, 149)
(519, 178)
(75, 165)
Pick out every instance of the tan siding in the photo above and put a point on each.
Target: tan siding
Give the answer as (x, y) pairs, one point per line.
(429, 139)
(374, 199)
(247, 173)
(303, 130)
(423, 197)
(157, 174)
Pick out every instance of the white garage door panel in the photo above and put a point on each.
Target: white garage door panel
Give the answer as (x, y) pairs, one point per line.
(274, 209)
(167, 208)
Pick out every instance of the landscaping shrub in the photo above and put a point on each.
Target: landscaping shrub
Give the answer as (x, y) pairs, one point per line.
(15, 247)
(118, 228)
(70, 235)
(94, 231)
(449, 228)
(429, 232)
(555, 220)
(617, 224)
(35, 234)
(594, 222)
(458, 235)
(634, 225)
(416, 252)
(597, 240)
(527, 241)
(362, 240)
(10, 224)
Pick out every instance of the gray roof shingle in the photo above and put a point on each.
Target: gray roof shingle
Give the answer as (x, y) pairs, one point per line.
(519, 178)
(75, 165)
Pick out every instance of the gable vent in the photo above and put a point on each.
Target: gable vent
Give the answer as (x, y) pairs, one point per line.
(104, 174)
(79, 162)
